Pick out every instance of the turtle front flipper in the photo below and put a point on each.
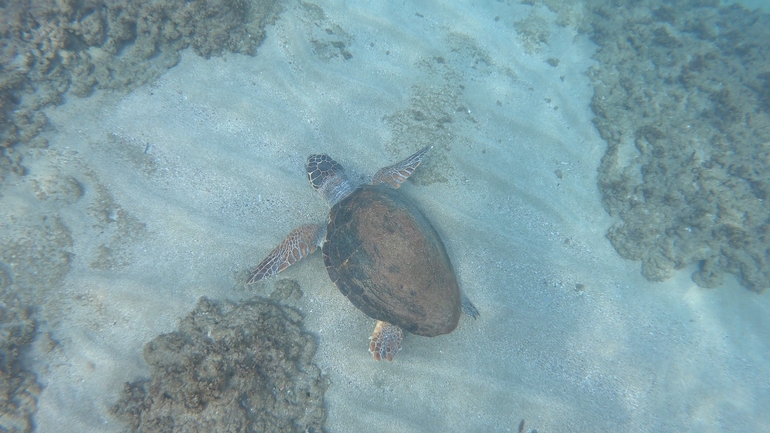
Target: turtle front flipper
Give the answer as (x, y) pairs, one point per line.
(385, 341)
(396, 174)
(300, 243)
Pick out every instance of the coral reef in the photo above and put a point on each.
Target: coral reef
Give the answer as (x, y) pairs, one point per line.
(681, 96)
(34, 258)
(229, 368)
(19, 389)
(53, 47)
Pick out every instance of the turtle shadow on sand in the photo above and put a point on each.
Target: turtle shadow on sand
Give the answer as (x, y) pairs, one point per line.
(381, 252)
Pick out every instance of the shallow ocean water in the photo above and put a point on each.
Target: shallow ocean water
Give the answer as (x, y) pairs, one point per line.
(184, 184)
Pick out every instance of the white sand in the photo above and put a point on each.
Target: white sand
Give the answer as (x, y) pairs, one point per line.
(222, 182)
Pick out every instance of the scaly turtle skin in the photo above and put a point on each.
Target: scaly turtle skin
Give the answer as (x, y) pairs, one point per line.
(381, 252)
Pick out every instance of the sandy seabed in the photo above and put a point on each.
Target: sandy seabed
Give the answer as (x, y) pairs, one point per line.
(189, 182)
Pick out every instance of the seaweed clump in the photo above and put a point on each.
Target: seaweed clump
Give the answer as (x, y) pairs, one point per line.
(230, 367)
(681, 97)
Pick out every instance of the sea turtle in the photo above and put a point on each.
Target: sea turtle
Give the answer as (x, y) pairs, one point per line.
(381, 252)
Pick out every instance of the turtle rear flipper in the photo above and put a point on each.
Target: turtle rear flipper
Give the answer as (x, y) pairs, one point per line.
(385, 341)
(300, 243)
(394, 175)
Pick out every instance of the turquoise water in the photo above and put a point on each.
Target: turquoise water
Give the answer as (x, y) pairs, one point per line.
(599, 178)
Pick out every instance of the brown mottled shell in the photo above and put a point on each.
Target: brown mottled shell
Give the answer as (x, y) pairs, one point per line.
(386, 257)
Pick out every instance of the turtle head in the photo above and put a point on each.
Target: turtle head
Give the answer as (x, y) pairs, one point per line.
(328, 177)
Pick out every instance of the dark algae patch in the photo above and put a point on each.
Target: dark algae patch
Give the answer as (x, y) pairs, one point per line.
(229, 368)
(681, 96)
